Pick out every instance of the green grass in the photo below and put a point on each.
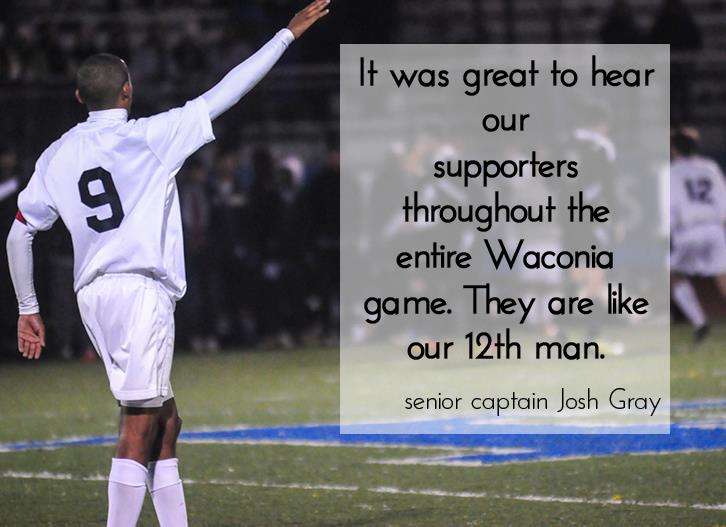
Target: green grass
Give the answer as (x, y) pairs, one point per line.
(251, 484)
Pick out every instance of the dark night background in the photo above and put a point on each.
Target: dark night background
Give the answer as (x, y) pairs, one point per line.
(260, 205)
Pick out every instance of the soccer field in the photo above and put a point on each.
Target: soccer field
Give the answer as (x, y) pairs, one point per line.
(260, 449)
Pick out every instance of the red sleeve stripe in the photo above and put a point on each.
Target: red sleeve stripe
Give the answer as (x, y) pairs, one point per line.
(20, 218)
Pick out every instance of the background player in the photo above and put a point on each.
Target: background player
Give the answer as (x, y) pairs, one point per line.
(590, 144)
(112, 183)
(698, 213)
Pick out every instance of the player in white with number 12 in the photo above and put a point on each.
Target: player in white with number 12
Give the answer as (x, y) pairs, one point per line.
(698, 225)
(111, 181)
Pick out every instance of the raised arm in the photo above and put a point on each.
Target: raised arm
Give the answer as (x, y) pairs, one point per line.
(246, 75)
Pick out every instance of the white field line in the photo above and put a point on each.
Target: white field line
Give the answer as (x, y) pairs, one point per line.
(10, 474)
(546, 499)
(13, 474)
(446, 461)
(383, 446)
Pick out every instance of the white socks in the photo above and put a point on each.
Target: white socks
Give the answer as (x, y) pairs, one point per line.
(126, 491)
(686, 299)
(127, 484)
(167, 493)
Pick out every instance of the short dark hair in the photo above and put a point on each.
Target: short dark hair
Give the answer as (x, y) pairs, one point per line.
(99, 80)
(686, 139)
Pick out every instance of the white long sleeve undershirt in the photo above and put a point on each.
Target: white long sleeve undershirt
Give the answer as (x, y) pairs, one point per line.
(20, 260)
(242, 78)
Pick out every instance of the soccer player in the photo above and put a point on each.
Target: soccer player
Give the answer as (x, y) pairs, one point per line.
(698, 235)
(590, 144)
(111, 181)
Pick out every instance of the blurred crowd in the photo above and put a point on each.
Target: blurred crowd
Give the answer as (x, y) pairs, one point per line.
(197, 41)
(165, 41)
(261, 242)
(157, 49)
(261, 250)
(261, 223)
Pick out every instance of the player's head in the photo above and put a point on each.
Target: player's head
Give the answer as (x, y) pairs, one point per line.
(684, 141)
(594, 114)
(103, 82)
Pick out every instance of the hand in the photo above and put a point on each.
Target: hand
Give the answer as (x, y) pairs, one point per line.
(304, 19)
(31, 335)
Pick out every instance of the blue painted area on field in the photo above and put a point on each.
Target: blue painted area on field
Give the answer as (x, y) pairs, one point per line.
(509, 447)
(529, 447)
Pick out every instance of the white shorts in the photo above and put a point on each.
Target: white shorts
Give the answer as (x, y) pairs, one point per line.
(699, 250)
(130, 320)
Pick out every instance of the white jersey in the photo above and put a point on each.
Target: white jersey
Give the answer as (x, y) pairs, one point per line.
(112, 183)
(698, 193)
